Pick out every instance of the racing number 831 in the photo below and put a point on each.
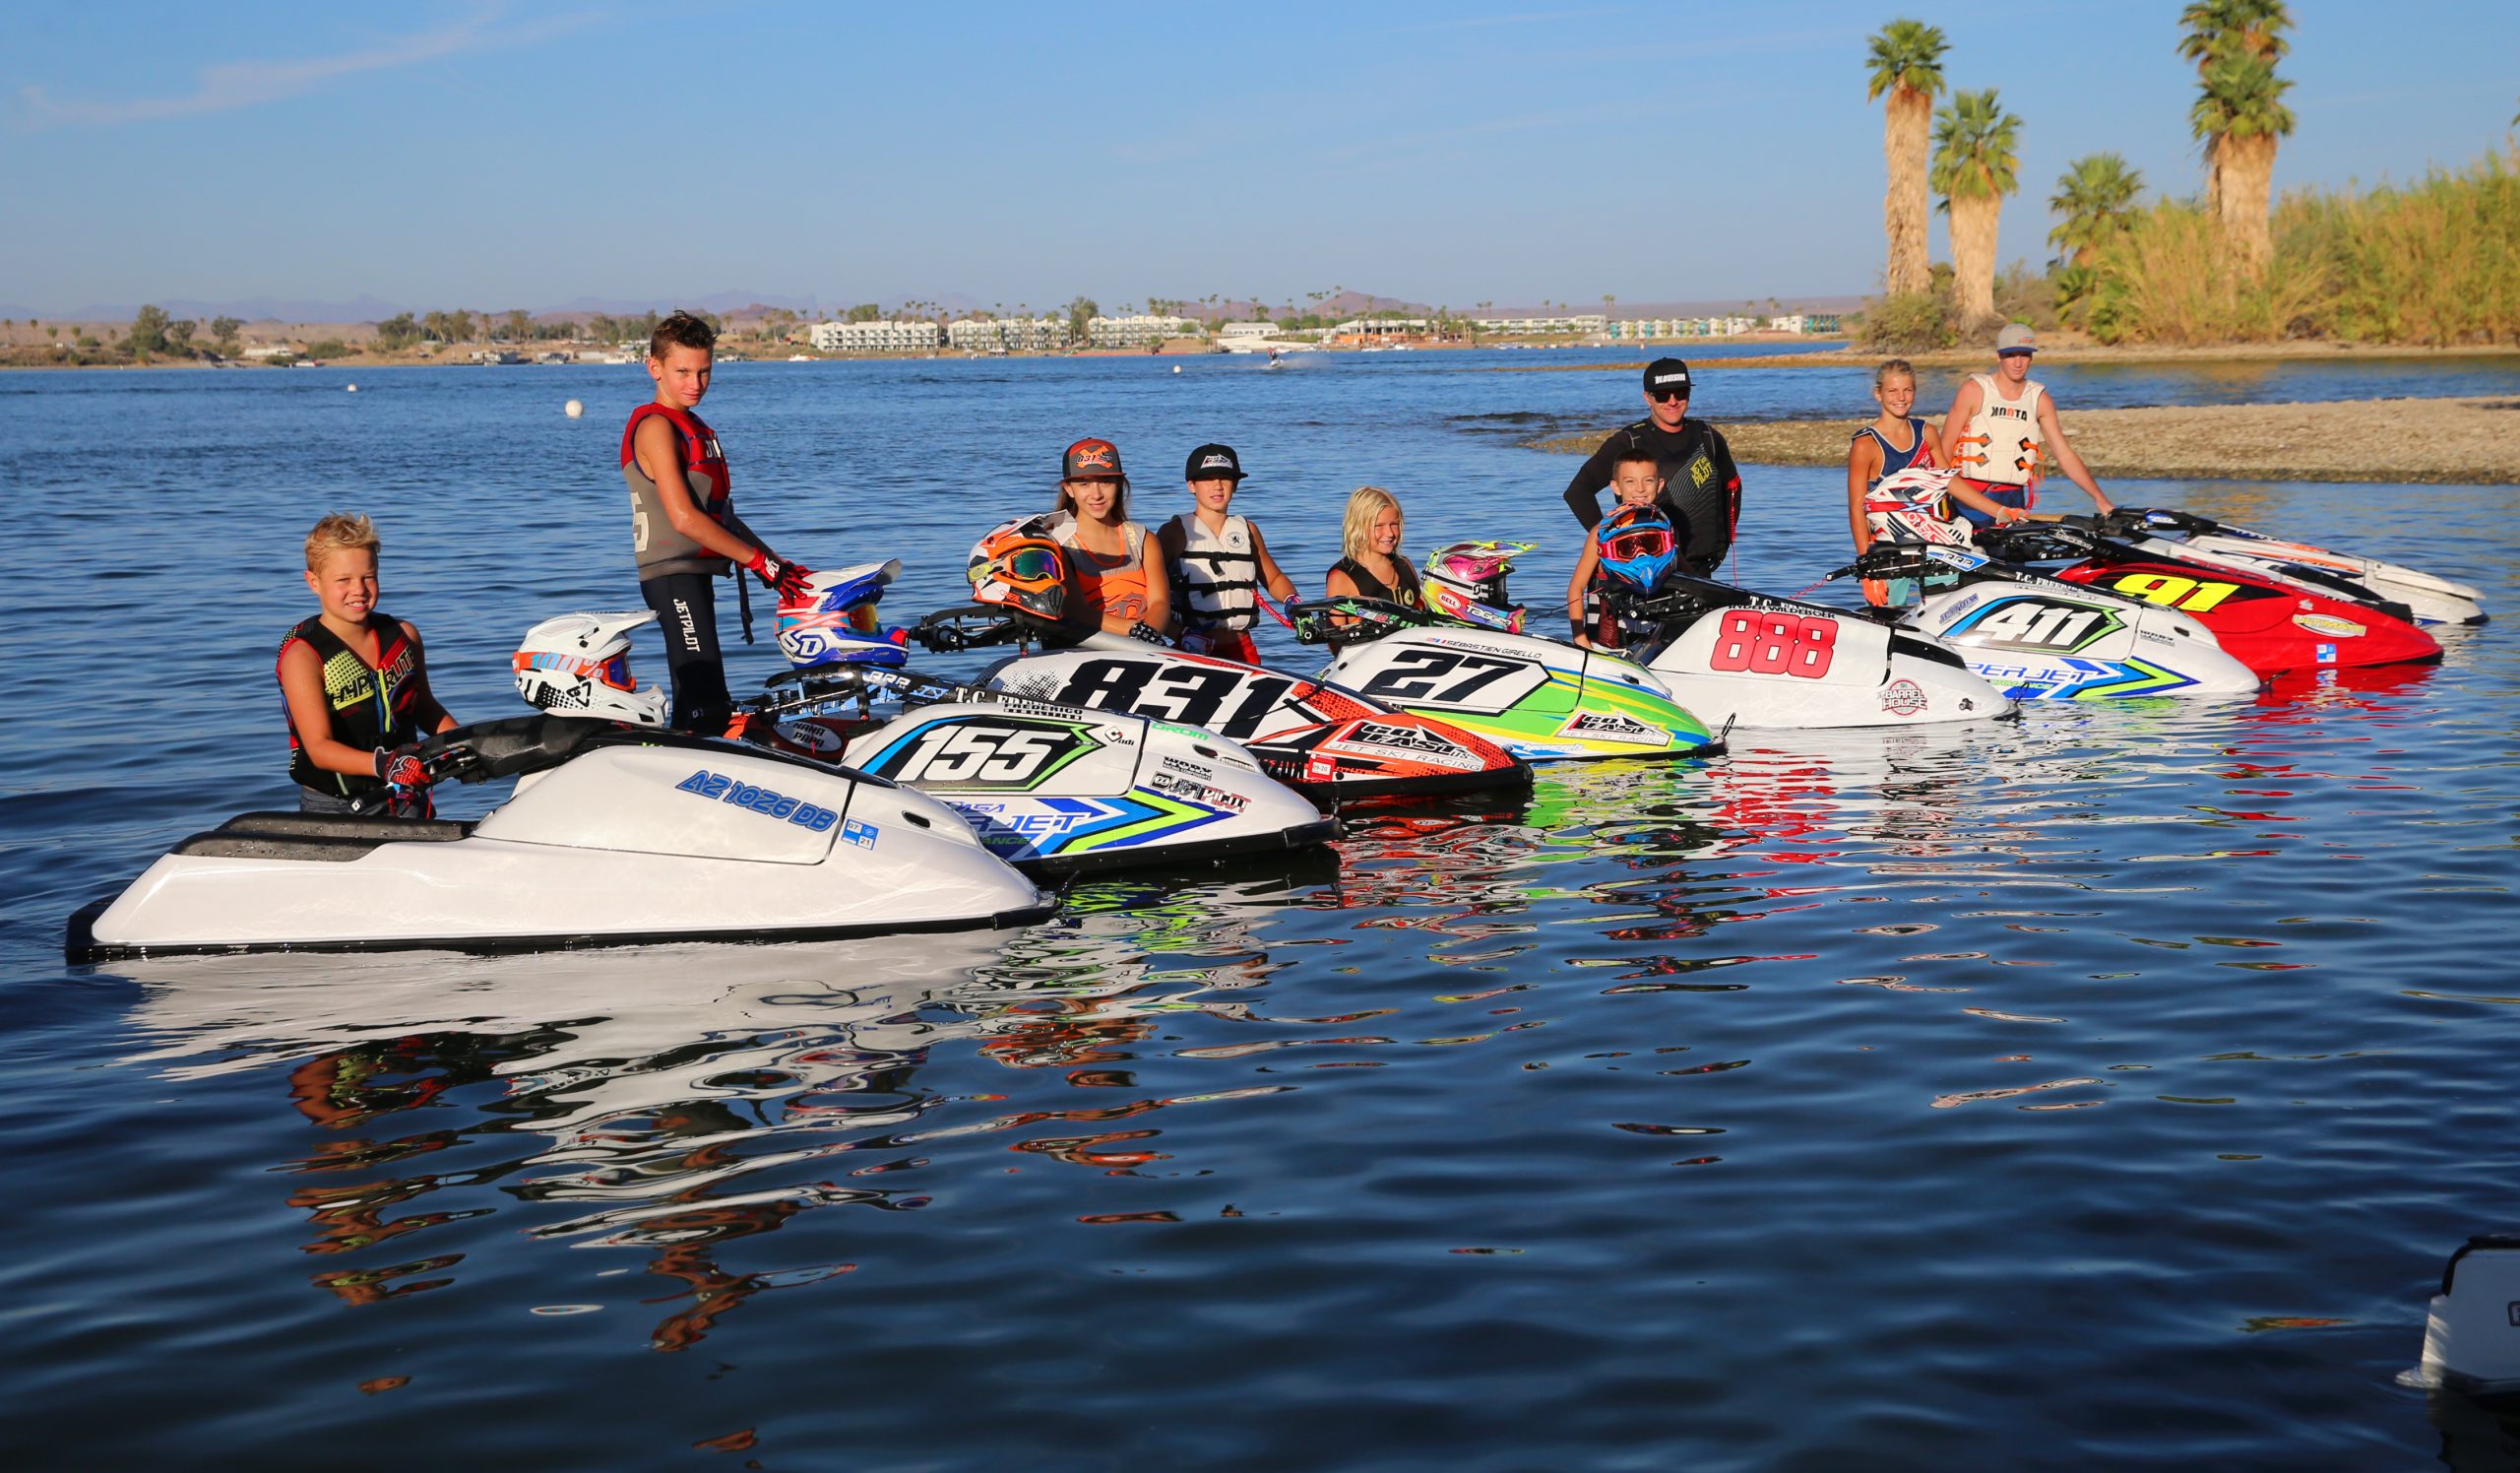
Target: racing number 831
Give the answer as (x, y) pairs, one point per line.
(1759, 642)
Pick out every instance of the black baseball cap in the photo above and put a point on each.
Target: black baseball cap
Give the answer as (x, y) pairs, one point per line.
(1213, 463)
(1664, 375)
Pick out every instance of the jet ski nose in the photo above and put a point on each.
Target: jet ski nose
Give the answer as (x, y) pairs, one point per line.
(2472, 1334)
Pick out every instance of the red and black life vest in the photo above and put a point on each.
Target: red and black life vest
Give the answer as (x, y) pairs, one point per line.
(371, 706)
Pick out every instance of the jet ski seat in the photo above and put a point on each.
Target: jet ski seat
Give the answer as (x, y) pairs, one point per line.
(333, 838)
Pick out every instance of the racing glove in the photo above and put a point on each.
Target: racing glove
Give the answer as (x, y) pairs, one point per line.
(788, 578)
(401, 767)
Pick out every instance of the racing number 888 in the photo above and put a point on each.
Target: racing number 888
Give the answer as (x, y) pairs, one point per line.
(1760, 643)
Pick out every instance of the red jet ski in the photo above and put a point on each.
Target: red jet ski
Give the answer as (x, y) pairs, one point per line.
(2264, 622)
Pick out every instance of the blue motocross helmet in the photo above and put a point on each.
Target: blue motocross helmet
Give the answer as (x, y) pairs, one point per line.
(1637, 548)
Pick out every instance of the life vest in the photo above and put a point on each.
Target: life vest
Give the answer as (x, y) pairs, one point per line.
(1409, 595)
(1109, 584)
(1920, 451)
(1217, 577)
(661, 549)
(370, 705)
(1914, 505)
(2002, 443)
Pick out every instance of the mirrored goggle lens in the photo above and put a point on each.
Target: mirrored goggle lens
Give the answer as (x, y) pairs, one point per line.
(615, 672)
(1031, 565)
(1644, 541)
(862, 618)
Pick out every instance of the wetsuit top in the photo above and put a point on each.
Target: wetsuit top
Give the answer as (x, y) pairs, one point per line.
(1920, 451)
(1217, 575)
(1408, 595)
(370, 705)
(2003, 445)
(660, 548)
(1107, 583)
(1701, 486)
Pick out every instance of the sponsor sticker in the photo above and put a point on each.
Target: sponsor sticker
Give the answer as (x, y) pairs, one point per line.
(2326, 653)
(813, 737)
(1172, 785)
(2330, 625)
(1607, 726)
(1903, 698)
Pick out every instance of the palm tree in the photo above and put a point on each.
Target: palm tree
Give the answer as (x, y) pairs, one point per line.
(1907, 65)
(1974, 165)
(2239, 113)
(2220, 29)
(2094, 194)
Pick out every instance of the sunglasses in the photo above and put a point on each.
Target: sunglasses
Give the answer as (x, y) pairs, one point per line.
(1667, 396)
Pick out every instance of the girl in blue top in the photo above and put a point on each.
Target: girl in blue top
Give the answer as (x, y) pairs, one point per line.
(1892, 443)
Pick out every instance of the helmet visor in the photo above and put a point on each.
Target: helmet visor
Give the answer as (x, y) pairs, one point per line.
(615, 673)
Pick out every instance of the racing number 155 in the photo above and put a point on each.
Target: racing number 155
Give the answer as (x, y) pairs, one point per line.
(1762, 643)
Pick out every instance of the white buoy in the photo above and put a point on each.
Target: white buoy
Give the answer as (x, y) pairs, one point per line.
(573, 408)
(2472, 1334)
(353, 388)
(1176, 367)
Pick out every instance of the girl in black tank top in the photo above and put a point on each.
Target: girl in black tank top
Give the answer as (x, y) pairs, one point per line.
(1407, 595)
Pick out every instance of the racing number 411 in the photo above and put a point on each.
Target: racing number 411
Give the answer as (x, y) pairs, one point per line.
(1763, 643)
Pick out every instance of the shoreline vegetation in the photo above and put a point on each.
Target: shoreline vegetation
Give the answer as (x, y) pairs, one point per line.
(2396, 441)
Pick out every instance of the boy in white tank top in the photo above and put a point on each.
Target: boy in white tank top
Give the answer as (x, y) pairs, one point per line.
(2000, 425)
(1218, 562)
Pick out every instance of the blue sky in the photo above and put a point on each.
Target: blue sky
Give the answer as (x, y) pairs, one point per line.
(491, 155)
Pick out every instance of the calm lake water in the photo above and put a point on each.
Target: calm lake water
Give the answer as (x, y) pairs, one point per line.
(2103, 1089)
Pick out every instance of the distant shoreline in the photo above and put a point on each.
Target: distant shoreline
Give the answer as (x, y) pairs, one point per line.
(2078, 352)
(2397, 441)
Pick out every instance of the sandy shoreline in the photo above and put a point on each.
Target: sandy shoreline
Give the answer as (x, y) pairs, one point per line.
(2463, 441)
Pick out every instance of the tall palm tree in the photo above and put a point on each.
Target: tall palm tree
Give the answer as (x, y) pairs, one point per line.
(1975, 164)
(2239, 113)
(2215, 29)
(1907, 65)
(2094, 194)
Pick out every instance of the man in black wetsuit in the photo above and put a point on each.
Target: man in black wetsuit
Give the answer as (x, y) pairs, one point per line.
(1701, 486)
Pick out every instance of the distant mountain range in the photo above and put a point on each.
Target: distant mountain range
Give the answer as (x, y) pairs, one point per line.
(364, 308)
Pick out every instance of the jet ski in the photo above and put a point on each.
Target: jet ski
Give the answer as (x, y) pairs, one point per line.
(1760, 662)
(1054, 789)
(615, 834)
(2269, 622)
(1467, 661)
(1540, 699)
(2036, 638)
(2182, 535)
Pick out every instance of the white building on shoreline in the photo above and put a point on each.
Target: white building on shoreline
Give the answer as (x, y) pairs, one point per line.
(1137, 331)
(1008, 334)
(1535, 327)
(882, 336)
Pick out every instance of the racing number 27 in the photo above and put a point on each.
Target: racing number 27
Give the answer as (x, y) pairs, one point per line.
(1761, 643)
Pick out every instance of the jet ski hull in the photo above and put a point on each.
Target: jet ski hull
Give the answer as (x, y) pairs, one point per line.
(2431, 600)
(1080, 792)
(1331, 745)
(2265, 622)
(1538, 699)
(1779, 664)
(2041, 640)
(647, 837)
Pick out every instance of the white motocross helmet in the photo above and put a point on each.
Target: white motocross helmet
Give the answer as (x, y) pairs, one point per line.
(578, 665)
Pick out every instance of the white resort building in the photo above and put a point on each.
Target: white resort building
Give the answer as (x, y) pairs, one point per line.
(1511, 327)
(1008, 334)
(1136, 331)
(884, 336)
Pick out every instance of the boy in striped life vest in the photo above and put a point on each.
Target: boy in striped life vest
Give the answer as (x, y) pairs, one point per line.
(1218, 561)
(2003, 423)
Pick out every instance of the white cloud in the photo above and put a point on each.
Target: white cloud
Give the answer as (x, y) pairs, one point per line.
(248, 83)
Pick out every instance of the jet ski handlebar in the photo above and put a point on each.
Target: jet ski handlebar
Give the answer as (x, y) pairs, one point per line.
(2131, 519)
(510, 746)
(1351, 619)
(968, 627)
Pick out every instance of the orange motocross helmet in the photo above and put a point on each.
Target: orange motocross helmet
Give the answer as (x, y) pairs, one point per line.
(1017, 568)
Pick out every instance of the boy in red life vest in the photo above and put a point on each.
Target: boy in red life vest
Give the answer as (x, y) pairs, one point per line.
(354, 683)
(685, 523)
(2000, 423)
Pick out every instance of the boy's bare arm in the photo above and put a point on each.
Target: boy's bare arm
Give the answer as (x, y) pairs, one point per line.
(1272, 577)
(1963, 405)
(2068, 459)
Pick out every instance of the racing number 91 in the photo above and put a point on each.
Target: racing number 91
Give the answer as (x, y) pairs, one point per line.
(1758, 642)
(2177, 592)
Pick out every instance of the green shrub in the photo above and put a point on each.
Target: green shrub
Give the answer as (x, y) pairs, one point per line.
(328, 348)
(1910, 322)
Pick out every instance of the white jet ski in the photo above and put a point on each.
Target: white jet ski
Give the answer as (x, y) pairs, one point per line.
(1056, 789)
(1542, 700)
(615, 835)
(2193, 538)
(2037, 637)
